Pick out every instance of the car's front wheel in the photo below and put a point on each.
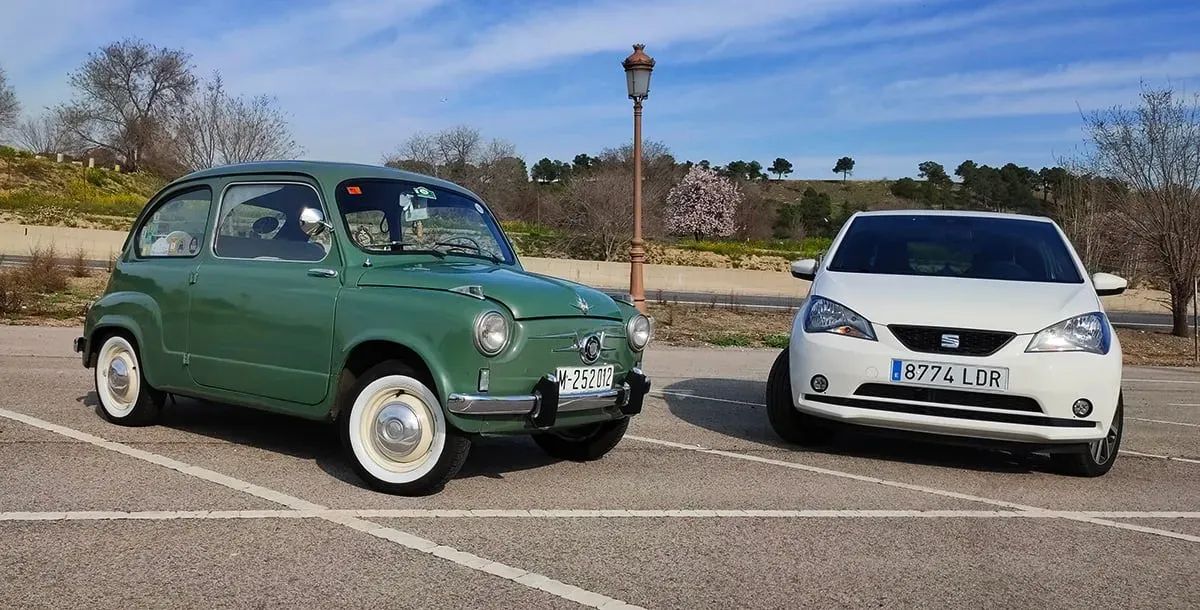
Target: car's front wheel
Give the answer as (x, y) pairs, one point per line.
(395, 434)
(1100, 454)
(125, 396)
(790, 424)
(583, 443)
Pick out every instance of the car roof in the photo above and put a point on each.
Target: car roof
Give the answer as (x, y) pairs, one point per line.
(329, 172)
(958, 213)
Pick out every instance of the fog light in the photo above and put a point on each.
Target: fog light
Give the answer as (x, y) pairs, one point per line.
(819, 383)
(1082, 407)
(484, 376)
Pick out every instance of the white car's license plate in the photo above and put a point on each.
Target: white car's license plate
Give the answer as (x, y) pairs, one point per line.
(949, 375)
(580, 379)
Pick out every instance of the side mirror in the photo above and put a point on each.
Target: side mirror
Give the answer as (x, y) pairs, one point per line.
(1108, 285)
(804, 269)
(312, 222)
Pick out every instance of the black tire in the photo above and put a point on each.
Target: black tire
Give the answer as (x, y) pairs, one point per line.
(1099, 456)
(415, 451)
(789, 423)
(583, 443)
(126, 398)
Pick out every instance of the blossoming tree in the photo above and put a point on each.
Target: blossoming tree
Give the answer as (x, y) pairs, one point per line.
(703, 203)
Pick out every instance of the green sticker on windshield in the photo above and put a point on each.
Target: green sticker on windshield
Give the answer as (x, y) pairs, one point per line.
(424, 192)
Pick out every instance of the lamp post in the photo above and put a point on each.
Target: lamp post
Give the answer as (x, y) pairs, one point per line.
(637, 78)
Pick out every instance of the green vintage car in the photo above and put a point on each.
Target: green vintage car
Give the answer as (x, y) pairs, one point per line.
(389, 302)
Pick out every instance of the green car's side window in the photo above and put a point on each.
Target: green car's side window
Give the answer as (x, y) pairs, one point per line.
(262, 221)
(177, 226)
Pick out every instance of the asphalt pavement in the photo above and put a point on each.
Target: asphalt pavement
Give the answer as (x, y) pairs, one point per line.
(700, 506)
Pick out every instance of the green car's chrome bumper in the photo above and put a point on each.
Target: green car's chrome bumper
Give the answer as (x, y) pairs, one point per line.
(543, 405)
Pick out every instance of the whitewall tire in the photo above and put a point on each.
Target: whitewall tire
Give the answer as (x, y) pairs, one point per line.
(395, 433)
(125, 397)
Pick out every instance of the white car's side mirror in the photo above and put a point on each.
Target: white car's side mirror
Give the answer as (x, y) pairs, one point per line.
(804, 269)
(1108, 285)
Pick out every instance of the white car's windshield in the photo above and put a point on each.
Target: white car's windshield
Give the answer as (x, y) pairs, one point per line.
(397, 217)
(956, 246)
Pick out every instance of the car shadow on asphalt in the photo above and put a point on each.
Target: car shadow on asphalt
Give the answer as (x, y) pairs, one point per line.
(749, 422)
(490, 457)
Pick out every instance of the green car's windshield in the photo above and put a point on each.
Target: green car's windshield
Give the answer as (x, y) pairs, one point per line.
(384, 216)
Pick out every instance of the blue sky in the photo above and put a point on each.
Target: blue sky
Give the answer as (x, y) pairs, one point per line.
(888, 82)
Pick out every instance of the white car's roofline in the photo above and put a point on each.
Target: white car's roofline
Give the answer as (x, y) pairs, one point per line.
(960, 213)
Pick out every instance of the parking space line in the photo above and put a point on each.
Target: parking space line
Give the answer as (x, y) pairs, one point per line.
(725, 400)
(1183, 381)
(1183, 404)
(1161, 457)
(919, 488)
(487, 513)
(468, 560)
(1163, 421)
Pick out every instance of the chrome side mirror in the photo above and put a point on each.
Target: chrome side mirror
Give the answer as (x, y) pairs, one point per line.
(312, 222)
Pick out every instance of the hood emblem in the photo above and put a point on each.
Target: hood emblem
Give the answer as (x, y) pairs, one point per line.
(581, 304)
(589, 348)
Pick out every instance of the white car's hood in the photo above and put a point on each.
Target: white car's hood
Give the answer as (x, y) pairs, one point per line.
(1021, 307)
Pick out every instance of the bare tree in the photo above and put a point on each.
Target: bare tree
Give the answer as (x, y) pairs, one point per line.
(126, 95)
(46, 134)
(456, 153)
(9, 106)
(1153, 155)
(597, 212)
(215, 128)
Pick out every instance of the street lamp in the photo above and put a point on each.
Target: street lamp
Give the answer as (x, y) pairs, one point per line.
(637, 78)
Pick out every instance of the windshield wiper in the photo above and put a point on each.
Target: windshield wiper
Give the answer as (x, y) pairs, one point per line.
(479, 251)
(392, 244)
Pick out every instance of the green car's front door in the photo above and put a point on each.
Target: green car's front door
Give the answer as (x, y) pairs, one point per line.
(262, 306)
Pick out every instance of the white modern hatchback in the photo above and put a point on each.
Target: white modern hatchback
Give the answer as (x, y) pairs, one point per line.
(958, 326)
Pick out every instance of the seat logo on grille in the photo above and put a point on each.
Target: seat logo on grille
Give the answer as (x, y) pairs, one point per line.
(950, 341)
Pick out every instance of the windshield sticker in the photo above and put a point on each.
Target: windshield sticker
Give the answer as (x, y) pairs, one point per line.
(353, 190)
(424, 192)
(479, 208)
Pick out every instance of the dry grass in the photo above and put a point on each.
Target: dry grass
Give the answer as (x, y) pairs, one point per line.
(46, 289)
(687, 325)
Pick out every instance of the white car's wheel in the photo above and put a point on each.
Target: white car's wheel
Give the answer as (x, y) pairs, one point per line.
(125, 397)
(396, 435)
(1100, 454)
(789, 423)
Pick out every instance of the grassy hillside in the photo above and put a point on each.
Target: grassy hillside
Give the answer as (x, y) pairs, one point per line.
(853, 194)
(45, 192)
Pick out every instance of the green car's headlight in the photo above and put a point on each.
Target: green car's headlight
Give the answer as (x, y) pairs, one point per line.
(638, 330)
(491, 333)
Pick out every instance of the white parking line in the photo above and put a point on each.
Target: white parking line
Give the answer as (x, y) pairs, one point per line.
(1183, 404)
(1161, 457)
(533, 513)
(1163, 421)
(689, 395)
(1183, 381)
(919, 488)
(468, 560)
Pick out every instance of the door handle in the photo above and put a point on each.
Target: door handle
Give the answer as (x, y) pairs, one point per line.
(323, 272)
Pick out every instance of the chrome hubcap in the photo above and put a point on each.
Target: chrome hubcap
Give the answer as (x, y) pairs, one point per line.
(118, 377)
(1102, 450)
(397, 431)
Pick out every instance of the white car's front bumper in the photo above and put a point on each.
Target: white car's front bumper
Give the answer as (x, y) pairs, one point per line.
(1035, 408)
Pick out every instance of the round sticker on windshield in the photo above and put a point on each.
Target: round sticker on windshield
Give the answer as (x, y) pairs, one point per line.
(479, 208)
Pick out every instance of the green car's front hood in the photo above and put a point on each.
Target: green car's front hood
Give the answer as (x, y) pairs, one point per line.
(527, 295)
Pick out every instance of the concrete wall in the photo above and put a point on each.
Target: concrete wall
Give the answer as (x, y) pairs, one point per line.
(100, 244)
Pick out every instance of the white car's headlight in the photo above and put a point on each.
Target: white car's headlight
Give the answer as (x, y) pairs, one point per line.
(1086, 333)
(638, 331)
(491, 333)
(825, 316)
